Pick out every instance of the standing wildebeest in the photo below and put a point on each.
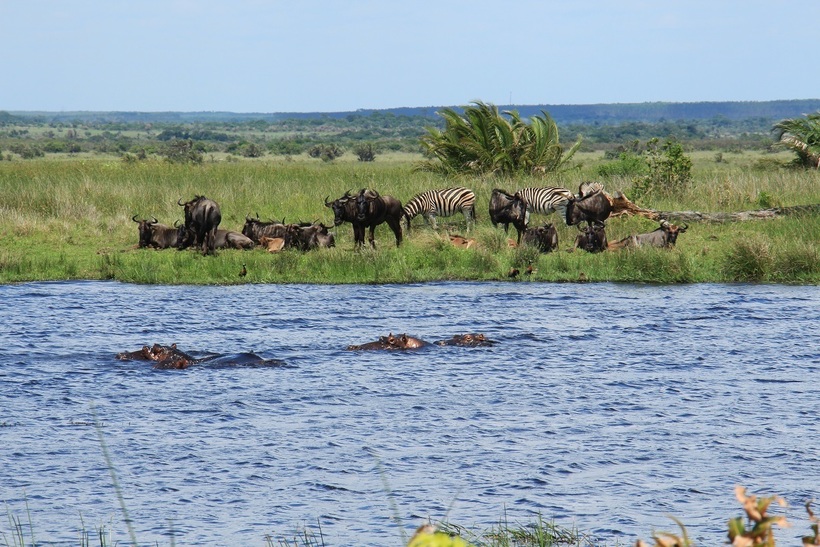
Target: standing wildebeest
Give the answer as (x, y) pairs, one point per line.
(202, 218)
(156, 235)
(256, 229)
(592, 238)
(443, 203)
(544, 238)
(373, 209)
(508, 209)
(664, 236)
(591, 206)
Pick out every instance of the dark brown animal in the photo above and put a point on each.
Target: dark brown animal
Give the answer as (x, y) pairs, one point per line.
(592, 238)
(202, 218)
(391, 342)
(665, 236)
(158, 236)
(307, 236)
(506, 209)
(591, 205)
(544, 238)
(165, 357)
(257, 229)
(373, 209)
(466, 340)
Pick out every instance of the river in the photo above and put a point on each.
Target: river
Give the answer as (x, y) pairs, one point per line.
(604, 407)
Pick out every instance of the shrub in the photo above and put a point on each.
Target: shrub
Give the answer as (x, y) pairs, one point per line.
(670, 170)
(748, 260)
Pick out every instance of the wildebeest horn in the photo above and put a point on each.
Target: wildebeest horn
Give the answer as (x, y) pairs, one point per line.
(154, 220)
(179, 202)
(176, 224)
(683, 228)
(134, 218)
(327, 203)
(664, 223)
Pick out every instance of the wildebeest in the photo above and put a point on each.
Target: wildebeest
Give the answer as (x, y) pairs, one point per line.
(202, 218)
(664, 236)
(591, 205)
(592, 238)
(257, 229)
(272, 244)
(544, 238)
(159, 236)
(373, 209)
(506, 209)
(308, 236)
(228, 239)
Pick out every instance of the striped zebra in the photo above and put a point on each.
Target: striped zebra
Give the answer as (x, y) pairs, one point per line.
(545, 200)
(441, 203)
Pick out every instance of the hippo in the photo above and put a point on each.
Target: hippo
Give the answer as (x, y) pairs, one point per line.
(466, 340)
(171, 358)
(391, 342)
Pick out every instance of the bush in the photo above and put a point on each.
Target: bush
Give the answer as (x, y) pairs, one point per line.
(627, 164)
(670, 170)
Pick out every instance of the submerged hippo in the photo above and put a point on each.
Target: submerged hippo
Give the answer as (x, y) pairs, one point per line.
(165, 357)
(468, 340)
(392, 342)
(171, 358)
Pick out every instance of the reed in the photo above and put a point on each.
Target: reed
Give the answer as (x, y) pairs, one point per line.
(62, 220)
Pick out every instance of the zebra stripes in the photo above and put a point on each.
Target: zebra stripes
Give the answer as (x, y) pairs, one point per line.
(545, 200)
(443, 203)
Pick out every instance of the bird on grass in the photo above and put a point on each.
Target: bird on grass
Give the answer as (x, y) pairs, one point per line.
(530, 270)
(243, 272)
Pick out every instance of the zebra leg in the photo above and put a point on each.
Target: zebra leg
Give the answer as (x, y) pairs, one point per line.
(431, 218)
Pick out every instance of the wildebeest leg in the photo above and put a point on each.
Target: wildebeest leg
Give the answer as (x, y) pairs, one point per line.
(395, 225)
(372, 237)
(358, 235)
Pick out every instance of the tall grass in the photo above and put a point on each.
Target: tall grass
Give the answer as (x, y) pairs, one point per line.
(72, 220)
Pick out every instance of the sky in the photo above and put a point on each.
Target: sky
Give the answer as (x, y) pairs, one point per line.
(346, 55)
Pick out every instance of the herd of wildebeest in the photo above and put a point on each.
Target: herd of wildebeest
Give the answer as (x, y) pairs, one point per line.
(367, 209)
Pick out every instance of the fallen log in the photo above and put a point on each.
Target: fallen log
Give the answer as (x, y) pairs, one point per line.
(621, 205)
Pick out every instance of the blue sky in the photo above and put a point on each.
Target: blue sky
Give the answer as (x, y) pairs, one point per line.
(327, 56)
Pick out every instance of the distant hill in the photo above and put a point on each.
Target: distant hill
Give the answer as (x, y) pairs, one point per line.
(563, 114)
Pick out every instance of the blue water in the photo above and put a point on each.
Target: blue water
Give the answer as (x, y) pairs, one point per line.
(604, 407)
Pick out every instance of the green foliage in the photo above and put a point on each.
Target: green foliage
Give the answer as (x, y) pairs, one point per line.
(326, 152)
(801, 136)
(628, 164)
(670, 171)
(182, 151)
(365, 152)
(483, 142)
(749, 260)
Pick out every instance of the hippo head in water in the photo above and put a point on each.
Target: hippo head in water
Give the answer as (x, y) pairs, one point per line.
(468, 340)
(391, 342)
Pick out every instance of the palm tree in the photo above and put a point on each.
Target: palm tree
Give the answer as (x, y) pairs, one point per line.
(482, 141)
(801, 136)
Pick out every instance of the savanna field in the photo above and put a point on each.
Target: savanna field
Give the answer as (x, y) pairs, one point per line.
(71, 218)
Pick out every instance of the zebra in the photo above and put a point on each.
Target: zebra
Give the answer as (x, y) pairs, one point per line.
(545, 200)
(444, 203)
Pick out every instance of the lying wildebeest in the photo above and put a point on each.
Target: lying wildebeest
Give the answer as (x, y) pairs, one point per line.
(506, 209)
(391, 342)
(223, 239)
(592, 238)
(159, 236)
(591, 206)
(467, 340)
(544, 238)
(373, 209)
(257, 229)
(664, 236)
(202, 218)
(308, 236)
(272, 244)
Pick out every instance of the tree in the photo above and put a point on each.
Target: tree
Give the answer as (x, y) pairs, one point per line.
(482, 141)
(365, 152)
(801, 136)
(670, 170)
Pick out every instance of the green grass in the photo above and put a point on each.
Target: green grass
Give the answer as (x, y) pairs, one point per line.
(62, 220)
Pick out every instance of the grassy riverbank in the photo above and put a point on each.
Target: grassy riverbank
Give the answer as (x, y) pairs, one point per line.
(71, 219)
